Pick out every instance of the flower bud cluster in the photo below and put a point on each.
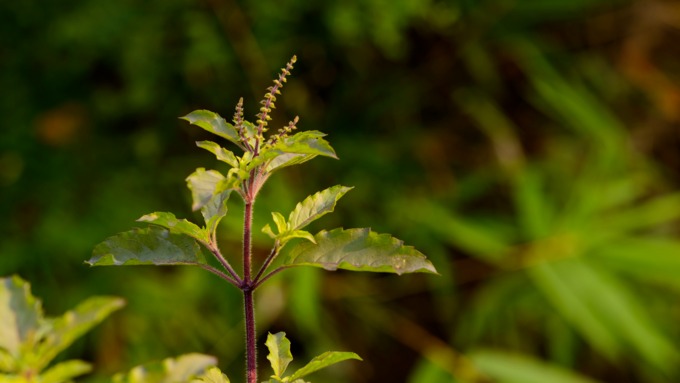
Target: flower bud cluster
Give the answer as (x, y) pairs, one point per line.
(238, 124)
(283, 132)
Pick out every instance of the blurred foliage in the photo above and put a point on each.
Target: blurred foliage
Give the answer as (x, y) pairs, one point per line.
(30, 341)
(529, 148)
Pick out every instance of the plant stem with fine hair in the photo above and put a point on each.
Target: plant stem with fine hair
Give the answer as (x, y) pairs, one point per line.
(247, 289)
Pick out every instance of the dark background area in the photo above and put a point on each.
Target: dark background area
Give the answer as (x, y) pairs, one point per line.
(529, 148)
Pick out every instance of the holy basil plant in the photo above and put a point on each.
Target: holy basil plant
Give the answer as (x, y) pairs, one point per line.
(173, 241)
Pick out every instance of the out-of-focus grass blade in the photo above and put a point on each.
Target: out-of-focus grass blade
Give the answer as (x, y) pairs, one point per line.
(652, 259)
(658, 211)
(568, 301)
(624, 313)
(534, 211)
(574, 105)
(485, 315)
(577, 287)
(506, 367)
(478, 241)
(496, 125)
(426, 371)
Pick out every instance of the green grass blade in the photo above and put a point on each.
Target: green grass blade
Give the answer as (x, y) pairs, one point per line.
(505, 367)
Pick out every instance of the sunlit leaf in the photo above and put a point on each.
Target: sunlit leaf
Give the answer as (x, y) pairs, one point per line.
(72, 325)
(203, 185)
(288, 159)
(322, 361)
(279, 352)
(7, 361)
(212, 375)
(268, 230)
(506, 367)
(221, 153)
(7, 378)
(147, 246)
(215, 210)
(213, 123)
(359, 250)
(65, 371)
(20, 315)
(315, 206)
(176, 226)
(309, 142)
(171, 370)
(287, 236)
(280, 222)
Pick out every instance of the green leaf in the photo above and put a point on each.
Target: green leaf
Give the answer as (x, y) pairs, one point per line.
(287, 236)
(215, 210)
(359, 250)
(322, 361)
(268, 230)
(280, 222)
(213, 123)
(550, 280)
(20, 315)
(279, 352)
(7, 378)
(315, 206)
(309, 142)
(176, 226)
(212, 375)
(288, 159)
(652, 259)
(65, 371)
(221, 153)
(7, 361)
(203, 185)
(72, 325)
(514, 368)
(147, 246)
(177, 370)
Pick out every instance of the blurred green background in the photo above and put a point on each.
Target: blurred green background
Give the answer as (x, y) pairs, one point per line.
(528, 147)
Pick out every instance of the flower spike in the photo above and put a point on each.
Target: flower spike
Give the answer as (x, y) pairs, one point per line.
(270, 98)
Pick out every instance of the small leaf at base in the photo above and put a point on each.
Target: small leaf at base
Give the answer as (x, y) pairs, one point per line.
(279, 352)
